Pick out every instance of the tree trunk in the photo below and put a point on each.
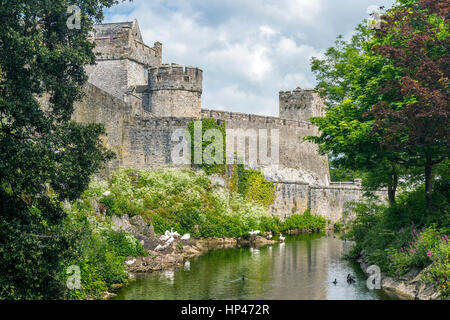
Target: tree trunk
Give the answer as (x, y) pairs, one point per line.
(428, 176)
(392, 186)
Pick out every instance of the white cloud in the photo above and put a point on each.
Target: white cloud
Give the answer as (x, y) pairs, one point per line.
(248, 50)
(267, 31)
(304, 10)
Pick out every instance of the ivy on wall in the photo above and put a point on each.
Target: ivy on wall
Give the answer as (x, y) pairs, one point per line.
(252, 185)
(207, 124)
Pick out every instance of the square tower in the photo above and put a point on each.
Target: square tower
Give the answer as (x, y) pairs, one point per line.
(301, 104)
(122, 59)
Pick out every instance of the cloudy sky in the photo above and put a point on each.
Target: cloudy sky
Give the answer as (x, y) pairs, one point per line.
(248, 50)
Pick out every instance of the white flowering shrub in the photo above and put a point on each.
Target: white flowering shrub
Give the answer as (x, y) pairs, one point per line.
(181, 199)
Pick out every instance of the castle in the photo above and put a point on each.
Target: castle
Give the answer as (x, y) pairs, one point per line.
(142, 101)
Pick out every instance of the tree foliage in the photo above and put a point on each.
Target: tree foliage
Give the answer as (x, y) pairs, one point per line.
(350, 77)
(415, 38)
(388, 95)
(46, 158)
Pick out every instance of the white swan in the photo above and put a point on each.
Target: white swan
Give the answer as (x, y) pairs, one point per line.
(171, 239)
(174, 234)
(169, 234)
(187, 236)
(281, 237)
(255, 232)
(164, 237)
(130, 262)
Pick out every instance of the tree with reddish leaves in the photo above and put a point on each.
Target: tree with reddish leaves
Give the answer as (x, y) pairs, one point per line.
(414, 37)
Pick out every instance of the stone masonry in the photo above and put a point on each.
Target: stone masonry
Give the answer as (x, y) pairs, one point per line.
(142, 102)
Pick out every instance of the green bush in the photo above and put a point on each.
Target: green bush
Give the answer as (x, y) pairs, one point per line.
(186, 201)
(406, 235)
(305, 222)
(439, 273)
(93, 284)
(397, 262)
(252, 185)
(98, 251)
(123, 244)
(338, 227)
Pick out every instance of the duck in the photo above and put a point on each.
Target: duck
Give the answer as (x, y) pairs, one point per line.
(254, 232)
(350, 278)
(269, 236)
(130, 262)
(335, 281)
(282, 238)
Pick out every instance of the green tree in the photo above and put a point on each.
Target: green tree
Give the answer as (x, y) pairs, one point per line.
(350, 77)
(388, 96)
(415, 38)
(46, 158)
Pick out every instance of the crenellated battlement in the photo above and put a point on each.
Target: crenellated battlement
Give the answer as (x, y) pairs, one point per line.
(105, 50)
(115, 41)
(122, 58)
(175, 77)
(301, 104)
(256, 119)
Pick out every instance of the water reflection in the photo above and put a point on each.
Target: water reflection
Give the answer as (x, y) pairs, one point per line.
(303, 267)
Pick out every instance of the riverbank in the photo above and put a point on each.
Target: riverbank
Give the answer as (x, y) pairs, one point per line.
(145, 204)
(408, 286)
(174, 255)
(301, 268)
(178, 252)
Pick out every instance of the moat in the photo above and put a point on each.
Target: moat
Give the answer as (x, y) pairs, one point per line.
(303, 267)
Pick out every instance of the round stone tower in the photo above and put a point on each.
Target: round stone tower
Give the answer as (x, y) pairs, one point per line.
(174, 91)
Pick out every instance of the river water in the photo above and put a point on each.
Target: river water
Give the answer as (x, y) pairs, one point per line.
(303, 267)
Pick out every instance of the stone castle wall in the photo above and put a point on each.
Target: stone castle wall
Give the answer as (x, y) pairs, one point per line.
(328, 202)
(142, 142)
(99, 106)
(294, 152)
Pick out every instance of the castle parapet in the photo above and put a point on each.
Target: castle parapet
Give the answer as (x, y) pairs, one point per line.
(175, 77)
(254, 119)
(173, 91)
(124, 41)
(301, 104)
